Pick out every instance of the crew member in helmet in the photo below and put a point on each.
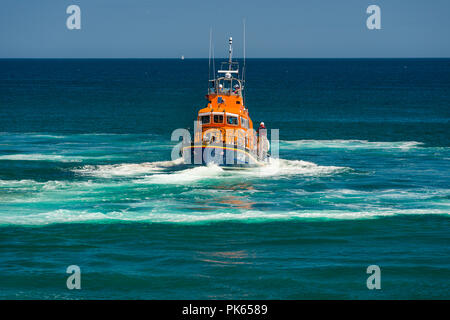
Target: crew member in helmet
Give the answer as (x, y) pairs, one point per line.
(261, 126)
(262, 142)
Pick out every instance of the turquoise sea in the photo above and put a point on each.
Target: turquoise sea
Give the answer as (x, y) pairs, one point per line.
(363, 178)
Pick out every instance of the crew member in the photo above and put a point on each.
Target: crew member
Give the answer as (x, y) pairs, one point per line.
(262, 142)
(261, 126)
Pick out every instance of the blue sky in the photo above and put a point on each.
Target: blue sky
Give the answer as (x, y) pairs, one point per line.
(171, 28)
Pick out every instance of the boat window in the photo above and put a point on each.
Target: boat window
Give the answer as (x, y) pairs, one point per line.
(218, 118)
(204, 119)
(238, 102)
(232, 120)
(244, 123)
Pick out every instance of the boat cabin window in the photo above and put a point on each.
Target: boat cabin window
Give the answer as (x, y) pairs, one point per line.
(244, 123)
(218, 118)
(204, 119)
(232, 120)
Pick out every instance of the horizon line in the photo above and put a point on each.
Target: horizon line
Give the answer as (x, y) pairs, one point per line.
(203, 58)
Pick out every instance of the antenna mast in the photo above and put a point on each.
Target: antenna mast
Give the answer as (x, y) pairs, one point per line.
(243, 67)
(231, 52)
(209, 58)
(214, 63)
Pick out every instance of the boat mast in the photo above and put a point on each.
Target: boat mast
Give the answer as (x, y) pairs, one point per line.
(231, 51)
(243, 68)
(209, 58)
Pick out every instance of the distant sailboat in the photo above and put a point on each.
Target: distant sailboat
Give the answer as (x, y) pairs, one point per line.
(182, 57)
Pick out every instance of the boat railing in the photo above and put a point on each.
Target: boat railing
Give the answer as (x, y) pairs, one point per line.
(225, 91)
(216, 88)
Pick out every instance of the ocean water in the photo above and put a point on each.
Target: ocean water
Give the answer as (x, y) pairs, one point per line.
(363, 178)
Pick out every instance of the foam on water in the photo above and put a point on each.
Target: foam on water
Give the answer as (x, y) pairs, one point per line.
(126, 169)
(171, 192)
(55, 157)
(281, 167)
(41, 157)
(394, 194)
(277, 168)
(65, 190)
(162, 216)
(51, 217)
(348, 144)
(184, 176)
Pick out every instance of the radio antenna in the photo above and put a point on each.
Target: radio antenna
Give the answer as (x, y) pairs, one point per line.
(213, 62)
(209, 57)
(243, 68)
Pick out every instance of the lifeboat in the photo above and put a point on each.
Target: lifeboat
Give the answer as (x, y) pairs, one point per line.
(224, 133)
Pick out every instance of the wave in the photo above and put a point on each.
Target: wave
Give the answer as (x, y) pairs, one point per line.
(126, 169)
(13, 136)
(281, 167)
(277, 168)
(184, 176)
(153, 173)
(397, 194)
(56, 135)
(47, 136)
(51, 217)
(191, 206)
(30, 185)
(32, 134)
(41, 157)
(54, 157)
(348, 144)
(248, 216)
